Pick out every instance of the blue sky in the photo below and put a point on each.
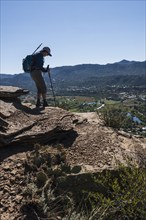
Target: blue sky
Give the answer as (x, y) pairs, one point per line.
(76, 31)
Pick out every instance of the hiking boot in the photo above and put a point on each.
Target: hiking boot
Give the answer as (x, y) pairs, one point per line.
(45, 104)
(38, 103)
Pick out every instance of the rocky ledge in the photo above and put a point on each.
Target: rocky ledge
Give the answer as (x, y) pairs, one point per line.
(83, 135)
(12, 92)
(88, 145)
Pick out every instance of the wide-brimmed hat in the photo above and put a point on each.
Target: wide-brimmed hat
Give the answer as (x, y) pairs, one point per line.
(47, 49)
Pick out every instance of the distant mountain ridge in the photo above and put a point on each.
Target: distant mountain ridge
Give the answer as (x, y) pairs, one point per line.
(123, 67)
(131, 73)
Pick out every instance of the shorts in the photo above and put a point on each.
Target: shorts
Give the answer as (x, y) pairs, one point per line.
(36, 75)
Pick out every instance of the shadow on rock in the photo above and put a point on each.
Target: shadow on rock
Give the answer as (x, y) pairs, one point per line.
(65, 138)
(9, 150)
(34, 111)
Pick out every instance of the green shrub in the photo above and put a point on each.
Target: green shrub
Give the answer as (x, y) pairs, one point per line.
(125, 197)
(115, 116)
(112, 194)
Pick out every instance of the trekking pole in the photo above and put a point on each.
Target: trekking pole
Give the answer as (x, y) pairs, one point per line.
(51, 85)
(37, 48)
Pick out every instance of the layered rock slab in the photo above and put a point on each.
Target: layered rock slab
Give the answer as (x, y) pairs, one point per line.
(35, 126)
(12, 92)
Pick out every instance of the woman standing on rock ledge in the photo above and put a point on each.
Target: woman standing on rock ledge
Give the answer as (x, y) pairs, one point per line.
(36, 74)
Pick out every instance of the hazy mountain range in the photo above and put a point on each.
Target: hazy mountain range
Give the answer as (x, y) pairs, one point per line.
(128, 73)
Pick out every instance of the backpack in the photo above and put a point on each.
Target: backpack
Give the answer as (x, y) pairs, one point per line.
(27, 63)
